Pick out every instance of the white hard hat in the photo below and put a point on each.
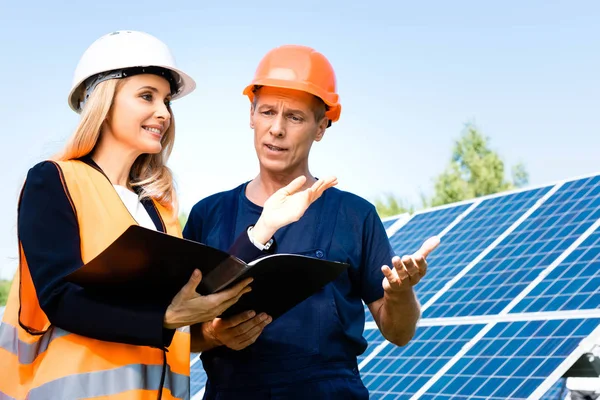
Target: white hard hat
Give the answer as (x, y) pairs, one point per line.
(111, 55)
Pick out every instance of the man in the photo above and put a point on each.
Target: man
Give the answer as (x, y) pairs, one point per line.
(311, 351)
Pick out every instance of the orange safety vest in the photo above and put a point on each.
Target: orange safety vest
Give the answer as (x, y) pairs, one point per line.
(41, 361)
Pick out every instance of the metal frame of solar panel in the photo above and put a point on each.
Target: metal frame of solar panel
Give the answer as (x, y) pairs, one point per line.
(510, 300)
(388, 222)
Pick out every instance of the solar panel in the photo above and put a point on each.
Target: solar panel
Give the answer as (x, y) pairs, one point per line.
(579, 195)
(401, 371)
(558, 391)
(462, 244)
(389, 222)
(197, 376)
(515, 262)
(572, 285)
(409, 238)
(420, 227)
(511, 360)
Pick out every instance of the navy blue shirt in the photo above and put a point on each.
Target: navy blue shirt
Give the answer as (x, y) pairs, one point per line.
(49, 233)
(325, 329)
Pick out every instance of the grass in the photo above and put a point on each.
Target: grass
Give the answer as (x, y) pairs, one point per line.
(4, 288)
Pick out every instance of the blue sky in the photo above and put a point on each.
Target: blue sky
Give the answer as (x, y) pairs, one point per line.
(410, 74)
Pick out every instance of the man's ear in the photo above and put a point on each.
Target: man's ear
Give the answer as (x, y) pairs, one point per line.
(251, 115)
(321, 129)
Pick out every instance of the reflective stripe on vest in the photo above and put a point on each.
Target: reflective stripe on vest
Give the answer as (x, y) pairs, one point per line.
(41, 361)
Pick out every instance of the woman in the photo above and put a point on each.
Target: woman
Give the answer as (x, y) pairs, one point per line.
(59, 341)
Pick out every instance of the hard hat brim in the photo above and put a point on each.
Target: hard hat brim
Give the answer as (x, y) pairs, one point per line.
(334, 107)
(187, 86)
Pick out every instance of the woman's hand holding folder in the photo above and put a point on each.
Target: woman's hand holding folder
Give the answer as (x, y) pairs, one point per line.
(189, 308)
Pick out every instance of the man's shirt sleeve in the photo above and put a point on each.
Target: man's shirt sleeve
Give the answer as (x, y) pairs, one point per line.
(377, 252)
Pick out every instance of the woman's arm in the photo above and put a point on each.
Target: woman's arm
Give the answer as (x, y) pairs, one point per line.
(49, 233)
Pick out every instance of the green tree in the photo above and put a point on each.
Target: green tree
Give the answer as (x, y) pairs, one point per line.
(183, 217)
(520, 175)
(4, 289)
(475, 170)
(390, 205)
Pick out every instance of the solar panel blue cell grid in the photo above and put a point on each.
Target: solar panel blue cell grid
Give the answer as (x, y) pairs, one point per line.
(368, 316)
(197, 378)
(389, 222)
(572, 285)
(398, 372)
(409, 238)
(512, 265)
(476, 231)
(511, 360)
(558, 391)
(421, 226)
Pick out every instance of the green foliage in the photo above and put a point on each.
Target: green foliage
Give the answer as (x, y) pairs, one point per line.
(4, 289)
(474, 170)
(183, 217)
(390, 205)
(520, 175)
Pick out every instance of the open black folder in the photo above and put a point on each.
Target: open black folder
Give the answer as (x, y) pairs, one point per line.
(146, 266)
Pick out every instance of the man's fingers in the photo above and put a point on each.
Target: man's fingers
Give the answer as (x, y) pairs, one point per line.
(328, 184)
(317, 185)
(428, 246)
(294, 185)
(400, 268)
(421, 264)
(390, 275)
(245, 333)
(237, 320)
(244, 344)
(323, 184)
(251, 339)
(253, 327)
(410, 266)
(329, 181)
(412, 269)
(315, 191)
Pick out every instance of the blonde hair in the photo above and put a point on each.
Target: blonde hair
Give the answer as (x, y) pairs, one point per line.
(149, 171)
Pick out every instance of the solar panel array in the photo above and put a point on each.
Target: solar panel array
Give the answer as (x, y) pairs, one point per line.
(197, 375)
(510, 300)
(511, 360)
(388, 222)
(557, 391)
(401, 371)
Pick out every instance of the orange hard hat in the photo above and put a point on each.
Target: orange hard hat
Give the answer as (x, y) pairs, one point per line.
(300, 68)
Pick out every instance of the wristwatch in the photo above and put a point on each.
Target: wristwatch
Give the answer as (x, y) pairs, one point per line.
(260, 246)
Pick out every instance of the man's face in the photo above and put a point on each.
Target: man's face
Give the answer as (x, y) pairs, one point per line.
(285, 128)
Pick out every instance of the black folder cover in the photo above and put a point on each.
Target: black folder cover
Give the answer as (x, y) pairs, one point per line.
(147, 266)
